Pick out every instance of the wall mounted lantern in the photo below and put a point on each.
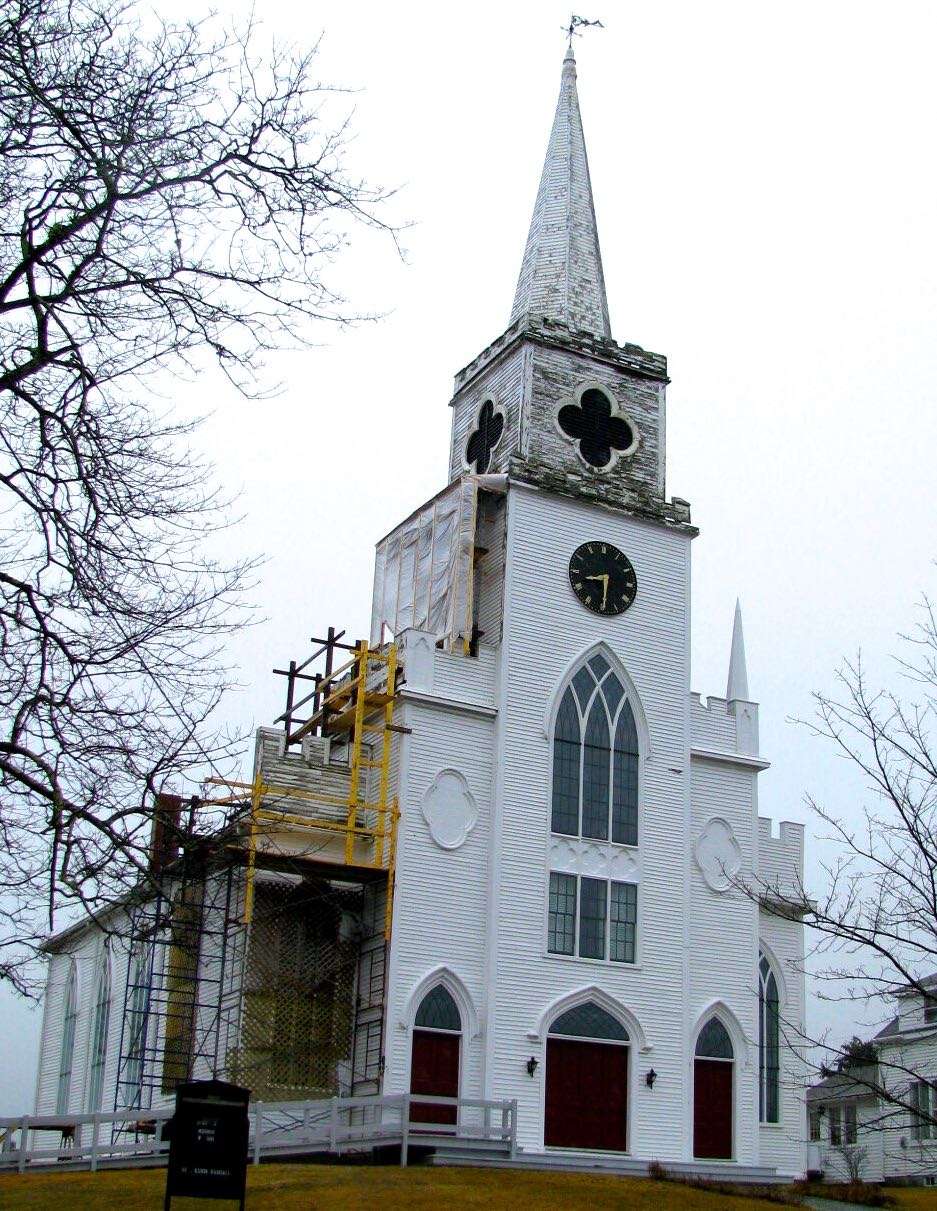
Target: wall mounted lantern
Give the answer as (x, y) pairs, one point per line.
(532, 1065)
(650, 1078)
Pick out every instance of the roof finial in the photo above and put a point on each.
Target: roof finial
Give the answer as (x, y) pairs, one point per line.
(576, 25)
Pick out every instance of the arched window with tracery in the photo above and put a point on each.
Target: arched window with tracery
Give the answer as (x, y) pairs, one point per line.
(67, 1054)
(99, 1024)
(769, 1059)
(595, 758)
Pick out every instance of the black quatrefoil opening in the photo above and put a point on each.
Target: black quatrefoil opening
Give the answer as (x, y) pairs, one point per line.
(485, 438)
(591, 423)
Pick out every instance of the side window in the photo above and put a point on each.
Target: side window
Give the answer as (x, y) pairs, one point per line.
(836, 1131)
(813, 1118)
(99, 1027)
(67, 1054)
(923, 1104)
(595, 758)
(849, 1123)
(768, 1043)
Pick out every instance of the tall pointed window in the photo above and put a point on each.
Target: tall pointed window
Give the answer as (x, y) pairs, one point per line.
(768, 1043)
(595, 758)
(99, 1025)
(67, 1054)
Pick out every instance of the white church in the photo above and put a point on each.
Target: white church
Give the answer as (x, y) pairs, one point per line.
(497, 850)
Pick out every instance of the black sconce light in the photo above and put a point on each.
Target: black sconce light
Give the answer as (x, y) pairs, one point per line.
(650, 1078)
(532, 1065)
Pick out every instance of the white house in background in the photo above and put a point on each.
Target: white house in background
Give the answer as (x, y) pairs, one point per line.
(847, 1110)
(567, 928)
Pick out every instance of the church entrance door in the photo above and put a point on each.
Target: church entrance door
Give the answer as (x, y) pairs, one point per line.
(434, 1069)
(712, 1110)
(586, 1095)
(434, 1059)
(713, 1078)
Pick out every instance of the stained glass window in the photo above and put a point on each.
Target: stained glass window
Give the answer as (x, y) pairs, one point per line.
(623, 923)
(589, 1021)
(593, 909)
(595, 774)
(562, 927)
(68, 1042)
(99, 1024)
(714, 1042)
(603, 925)
(566, 759)
(768, 1043)
(438, 1011)
(595, 781)
(625, 785)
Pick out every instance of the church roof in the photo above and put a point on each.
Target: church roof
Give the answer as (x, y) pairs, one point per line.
(561, 275)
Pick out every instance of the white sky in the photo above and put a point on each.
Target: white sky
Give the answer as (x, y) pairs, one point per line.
(764, 181)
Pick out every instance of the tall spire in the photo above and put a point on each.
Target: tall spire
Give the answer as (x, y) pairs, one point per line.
(561, 274)
(737, 686)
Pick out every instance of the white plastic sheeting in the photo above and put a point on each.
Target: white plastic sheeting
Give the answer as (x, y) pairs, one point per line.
(423, 570)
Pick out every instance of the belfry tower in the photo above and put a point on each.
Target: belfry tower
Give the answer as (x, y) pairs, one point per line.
(607, 443)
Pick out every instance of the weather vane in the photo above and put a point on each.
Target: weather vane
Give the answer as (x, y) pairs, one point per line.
(576, 25)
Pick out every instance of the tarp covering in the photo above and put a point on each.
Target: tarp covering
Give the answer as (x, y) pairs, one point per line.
(423, 571)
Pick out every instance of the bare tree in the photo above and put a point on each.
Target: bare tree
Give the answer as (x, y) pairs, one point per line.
(874, 918)
(170, 200)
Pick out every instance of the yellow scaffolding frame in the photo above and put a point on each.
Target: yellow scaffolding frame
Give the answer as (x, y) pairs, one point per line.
(362, 702)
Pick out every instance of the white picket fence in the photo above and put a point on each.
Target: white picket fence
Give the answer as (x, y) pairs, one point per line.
(336, 1125)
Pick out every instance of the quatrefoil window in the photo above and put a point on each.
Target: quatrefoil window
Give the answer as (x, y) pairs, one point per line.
(598, 433)
(485, 438)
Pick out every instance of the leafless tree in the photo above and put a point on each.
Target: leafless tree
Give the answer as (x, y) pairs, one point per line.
(170, 201)
(873, 914)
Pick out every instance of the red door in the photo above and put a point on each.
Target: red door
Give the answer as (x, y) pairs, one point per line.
(587, 1095)
(434, 1068)
(712, 1109)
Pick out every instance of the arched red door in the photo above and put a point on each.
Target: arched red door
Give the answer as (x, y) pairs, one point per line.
(713, 1093)
(587, 1081)
(435, 1056)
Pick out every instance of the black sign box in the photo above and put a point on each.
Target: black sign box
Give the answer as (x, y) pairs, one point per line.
(208, 1142)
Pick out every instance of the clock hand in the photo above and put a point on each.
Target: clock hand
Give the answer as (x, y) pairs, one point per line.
(604, 580)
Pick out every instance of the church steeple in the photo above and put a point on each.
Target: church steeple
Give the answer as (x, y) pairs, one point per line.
(561, 275)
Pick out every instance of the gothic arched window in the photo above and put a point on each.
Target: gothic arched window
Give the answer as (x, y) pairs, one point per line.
(713, 1042)
(99, 1024)
(67, 1054)
(595, 758)
(438, 1011)
(769, 1067)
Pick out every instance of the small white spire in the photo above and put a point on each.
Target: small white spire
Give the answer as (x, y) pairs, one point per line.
(737, 685)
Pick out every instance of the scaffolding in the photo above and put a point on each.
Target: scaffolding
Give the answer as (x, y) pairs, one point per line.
(261, 956)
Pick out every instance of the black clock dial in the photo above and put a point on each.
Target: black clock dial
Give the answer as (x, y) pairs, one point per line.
(602, 578)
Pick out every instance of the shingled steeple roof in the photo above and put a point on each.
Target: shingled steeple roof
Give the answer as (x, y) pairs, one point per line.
(561, 274)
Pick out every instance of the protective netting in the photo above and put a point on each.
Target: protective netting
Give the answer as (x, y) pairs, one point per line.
(298, 1002)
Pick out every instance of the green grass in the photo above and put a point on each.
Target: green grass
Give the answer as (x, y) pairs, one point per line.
(372, 1188)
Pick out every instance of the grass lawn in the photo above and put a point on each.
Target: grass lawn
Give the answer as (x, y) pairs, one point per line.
(371, 1188)
(367, 1188)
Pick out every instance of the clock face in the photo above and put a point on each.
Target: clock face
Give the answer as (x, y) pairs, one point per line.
(602, 578)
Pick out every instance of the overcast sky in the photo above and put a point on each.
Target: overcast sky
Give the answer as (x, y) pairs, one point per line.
(764, 183)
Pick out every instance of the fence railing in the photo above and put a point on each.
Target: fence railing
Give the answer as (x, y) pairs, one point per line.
(334, 1125)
